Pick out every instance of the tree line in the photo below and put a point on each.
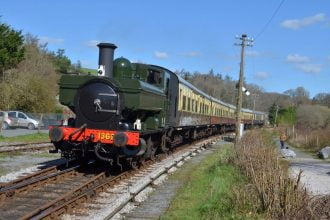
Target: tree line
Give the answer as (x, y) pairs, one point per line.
(29, 72)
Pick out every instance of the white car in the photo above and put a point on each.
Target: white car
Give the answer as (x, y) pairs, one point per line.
(23, 120)
(7, 121)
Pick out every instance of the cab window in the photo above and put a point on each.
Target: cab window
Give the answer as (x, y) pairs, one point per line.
(154, 77)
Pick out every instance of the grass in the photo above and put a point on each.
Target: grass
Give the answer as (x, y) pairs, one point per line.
(2, 172)
(26, 138)
(209, 190)
(10, 154)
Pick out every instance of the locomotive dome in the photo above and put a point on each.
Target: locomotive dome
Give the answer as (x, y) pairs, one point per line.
(122, 67)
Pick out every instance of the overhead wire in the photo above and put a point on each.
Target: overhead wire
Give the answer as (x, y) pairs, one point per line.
(270, 20)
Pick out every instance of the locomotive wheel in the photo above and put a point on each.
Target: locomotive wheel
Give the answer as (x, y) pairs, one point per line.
(151, 150)
(134, 163)
(164, 148)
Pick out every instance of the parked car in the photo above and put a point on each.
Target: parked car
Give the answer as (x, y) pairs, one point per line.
(7, 121)
(20, 119)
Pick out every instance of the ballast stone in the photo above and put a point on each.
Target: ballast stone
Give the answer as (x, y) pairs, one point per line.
(324, 153)
(288, 153)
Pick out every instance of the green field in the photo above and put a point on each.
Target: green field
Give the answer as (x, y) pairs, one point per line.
(38, 137)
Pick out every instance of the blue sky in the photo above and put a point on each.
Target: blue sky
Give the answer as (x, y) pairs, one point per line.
(193, 35)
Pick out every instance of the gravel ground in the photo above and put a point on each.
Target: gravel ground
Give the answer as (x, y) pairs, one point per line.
(316, 172)
(14, 166)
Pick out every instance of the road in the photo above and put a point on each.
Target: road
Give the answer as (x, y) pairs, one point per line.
(316, 172)
(20, 131)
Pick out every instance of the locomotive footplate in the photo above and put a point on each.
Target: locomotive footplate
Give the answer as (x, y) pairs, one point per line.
(117, 138)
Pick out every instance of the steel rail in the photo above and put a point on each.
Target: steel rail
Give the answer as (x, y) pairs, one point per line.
(30, 176)
(11, 190)
(73, 198)
(24, 146)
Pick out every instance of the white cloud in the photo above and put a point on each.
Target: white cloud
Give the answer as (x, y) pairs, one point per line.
(92, 43)
(160, 55)
(296, 24)
(50, 40)
(303, 63)
(296, 58)
(252, 53)
(191, 54)
(309, 68)
(261, 75)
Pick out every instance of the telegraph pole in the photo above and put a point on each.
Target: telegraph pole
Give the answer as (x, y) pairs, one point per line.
(244, 42)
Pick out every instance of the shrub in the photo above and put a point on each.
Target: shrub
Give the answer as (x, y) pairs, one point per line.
(274, 192)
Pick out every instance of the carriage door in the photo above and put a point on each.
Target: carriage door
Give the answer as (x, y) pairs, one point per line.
(171, 90)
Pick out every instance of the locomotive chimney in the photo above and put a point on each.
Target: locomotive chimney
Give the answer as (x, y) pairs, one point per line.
(106, 51)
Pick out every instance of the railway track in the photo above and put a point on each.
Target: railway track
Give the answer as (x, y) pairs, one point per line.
(25, 146)
(52, 193)
(116, 196)
(24, 197)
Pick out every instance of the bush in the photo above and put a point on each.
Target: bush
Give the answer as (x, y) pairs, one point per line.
(313, 117)
(274, 192)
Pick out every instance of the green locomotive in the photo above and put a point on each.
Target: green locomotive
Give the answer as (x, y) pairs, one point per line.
(129, 111)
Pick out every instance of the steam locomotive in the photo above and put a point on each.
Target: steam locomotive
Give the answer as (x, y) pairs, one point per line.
(130, 111)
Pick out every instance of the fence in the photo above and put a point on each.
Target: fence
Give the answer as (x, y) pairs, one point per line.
(312, 139)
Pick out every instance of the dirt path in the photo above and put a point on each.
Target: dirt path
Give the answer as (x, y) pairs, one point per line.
(316, 172)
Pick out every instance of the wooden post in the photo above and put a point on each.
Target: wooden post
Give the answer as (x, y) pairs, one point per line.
(243, 44)
(293, 131)
(317, 141)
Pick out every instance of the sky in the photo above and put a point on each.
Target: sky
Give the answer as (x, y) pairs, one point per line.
(292, 50)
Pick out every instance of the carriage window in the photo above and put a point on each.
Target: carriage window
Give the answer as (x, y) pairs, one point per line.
(188, 104)
(196, 106)
(184, 102)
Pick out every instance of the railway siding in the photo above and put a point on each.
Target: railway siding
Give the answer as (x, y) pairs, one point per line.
(25, 146)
